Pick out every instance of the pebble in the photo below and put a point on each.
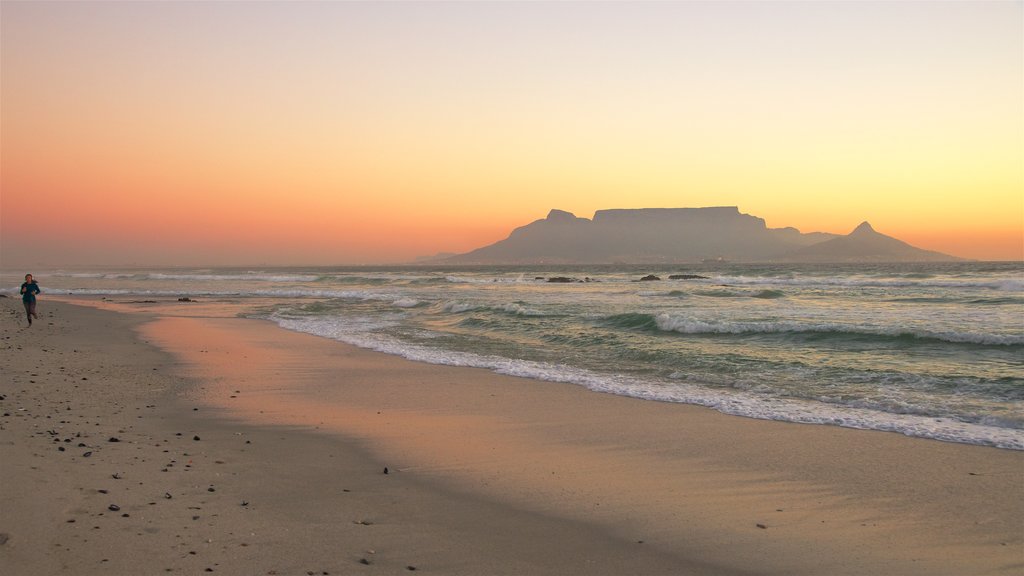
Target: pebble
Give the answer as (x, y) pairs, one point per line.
(113, 507)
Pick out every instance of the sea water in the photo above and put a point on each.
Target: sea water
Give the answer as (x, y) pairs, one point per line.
(928, 350)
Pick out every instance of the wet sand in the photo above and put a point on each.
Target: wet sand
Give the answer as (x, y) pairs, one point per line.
(242, 448)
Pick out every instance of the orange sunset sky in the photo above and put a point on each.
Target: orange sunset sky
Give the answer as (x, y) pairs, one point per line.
(239, 133)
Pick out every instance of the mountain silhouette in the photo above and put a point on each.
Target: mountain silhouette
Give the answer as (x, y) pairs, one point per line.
(864, 244)
(680, 235)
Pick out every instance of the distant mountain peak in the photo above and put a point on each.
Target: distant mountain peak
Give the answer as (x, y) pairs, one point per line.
(864, 228)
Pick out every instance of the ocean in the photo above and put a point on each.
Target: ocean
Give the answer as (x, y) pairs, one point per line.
(927, 350)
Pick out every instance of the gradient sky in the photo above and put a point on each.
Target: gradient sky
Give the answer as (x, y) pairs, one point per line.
(196, 133)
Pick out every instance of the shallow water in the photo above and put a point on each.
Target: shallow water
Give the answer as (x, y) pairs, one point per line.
(932, 350)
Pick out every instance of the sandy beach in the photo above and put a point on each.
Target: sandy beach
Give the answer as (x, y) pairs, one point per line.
(153, 439)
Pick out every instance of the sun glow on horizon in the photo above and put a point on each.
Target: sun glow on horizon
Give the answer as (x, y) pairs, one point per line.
(334, 133)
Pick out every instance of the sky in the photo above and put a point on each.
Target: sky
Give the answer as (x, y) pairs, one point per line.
(305, 133)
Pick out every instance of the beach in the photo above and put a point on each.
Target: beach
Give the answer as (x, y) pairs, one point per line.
(158, 438)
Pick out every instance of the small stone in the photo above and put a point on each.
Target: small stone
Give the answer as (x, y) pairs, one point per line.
(87, 454)
(114, 439)
(762, 526)
(113, 507)
(385, 469)
(364, 561)
(196, 438)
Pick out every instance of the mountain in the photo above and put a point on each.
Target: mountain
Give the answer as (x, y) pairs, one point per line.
(678, 235)
(864, 244)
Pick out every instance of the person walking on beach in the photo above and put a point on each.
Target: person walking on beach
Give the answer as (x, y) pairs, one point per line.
(29, 289)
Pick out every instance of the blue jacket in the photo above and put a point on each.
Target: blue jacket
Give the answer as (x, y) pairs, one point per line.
(29, 291)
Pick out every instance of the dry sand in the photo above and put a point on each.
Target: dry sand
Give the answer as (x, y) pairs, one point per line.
(245, 449)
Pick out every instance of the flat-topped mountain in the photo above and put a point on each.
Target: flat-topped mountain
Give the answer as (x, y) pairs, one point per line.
(671, 235)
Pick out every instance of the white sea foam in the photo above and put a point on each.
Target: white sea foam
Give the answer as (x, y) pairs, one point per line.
(688, 325)
(1009, 285)
(457, 307)
(486, 279)
(247, 277)
(406, 303)
(520, 310)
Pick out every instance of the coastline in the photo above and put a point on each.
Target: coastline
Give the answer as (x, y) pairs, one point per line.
(489, 474)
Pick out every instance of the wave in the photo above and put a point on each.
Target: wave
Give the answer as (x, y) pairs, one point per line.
(271, 293)
(248, 276)
(687, 325)
(98, 275)
(763, 294)
(924, 300)
(520, 279)
(190, 277)
(1003, 284)
(719, 294)
(996, 301)
(740, 403)
(632, 321)
(514, 308)
(666, 322)
(407, 303)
